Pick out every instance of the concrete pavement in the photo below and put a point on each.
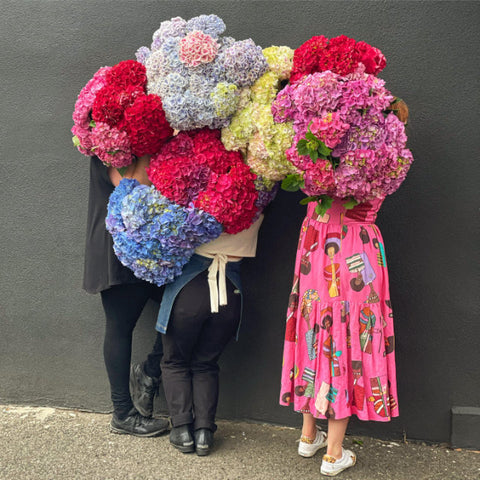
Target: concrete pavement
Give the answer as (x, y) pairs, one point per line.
(51, 444)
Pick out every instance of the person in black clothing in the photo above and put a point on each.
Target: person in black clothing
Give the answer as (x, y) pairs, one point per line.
(123, 298)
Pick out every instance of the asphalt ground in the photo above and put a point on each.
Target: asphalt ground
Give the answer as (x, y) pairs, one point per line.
(47, 443)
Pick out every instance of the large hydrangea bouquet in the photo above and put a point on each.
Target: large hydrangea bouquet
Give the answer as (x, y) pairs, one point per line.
(253, 130)
(153, 236)
(114, 117)
(330, 132)
(348, 143)
(197, 72)
(195, 167)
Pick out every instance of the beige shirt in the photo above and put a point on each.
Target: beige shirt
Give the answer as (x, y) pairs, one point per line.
(242, 244)
(227, 248)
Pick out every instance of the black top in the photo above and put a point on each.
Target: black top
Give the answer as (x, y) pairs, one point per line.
(102, 267)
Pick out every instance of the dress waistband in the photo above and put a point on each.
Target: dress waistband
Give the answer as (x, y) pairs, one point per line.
(337, 214)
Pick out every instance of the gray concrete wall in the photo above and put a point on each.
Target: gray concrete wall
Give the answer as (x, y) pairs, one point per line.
(51, 331)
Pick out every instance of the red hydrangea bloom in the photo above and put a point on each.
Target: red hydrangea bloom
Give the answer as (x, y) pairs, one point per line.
(371, 57)
(209, 149)
(146, 125)
(179, 178)
(305, 57)
(126, 74)
(341, 55)
(195, 167)
(230, 198)
(111, 102)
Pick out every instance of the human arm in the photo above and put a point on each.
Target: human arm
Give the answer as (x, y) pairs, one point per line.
(136, 170)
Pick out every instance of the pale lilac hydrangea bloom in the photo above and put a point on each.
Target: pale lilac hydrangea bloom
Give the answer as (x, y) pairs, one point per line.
(195, 51)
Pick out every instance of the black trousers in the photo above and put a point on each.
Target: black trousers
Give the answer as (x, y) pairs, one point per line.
(193, 343)
(123, 305)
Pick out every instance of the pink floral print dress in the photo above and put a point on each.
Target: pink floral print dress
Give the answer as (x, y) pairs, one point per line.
(338, 357)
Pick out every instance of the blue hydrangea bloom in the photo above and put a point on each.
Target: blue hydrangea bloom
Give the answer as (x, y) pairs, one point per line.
(152, 236)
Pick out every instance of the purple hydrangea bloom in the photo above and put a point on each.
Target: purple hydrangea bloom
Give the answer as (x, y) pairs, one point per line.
(209, 24)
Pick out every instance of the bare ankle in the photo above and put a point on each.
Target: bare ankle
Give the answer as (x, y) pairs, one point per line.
(309, 435)
(335, 451)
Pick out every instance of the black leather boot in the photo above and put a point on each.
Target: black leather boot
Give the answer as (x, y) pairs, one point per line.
(142, 389)
(203, 441)
(138, 425)
(182, 439)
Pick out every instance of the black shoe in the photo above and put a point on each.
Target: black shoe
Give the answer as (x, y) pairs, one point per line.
(203, 441)
(142, 389)
(138, 425)
(181, 438)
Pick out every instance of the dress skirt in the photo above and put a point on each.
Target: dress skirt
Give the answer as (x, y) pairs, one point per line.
(339, 350)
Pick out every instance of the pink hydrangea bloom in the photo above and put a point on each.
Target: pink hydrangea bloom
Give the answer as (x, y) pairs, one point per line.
(347, 114)
(329, 129)
(111, 145)
(198, 47)
(83, 108)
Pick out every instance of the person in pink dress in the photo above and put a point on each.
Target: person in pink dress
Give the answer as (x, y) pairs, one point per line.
(340, 361)
(339, 354)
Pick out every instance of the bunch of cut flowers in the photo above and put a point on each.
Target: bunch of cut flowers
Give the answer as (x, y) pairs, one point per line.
(198, 72)
(349, 143)
(115, 119)
(199, 190)
(153, 236)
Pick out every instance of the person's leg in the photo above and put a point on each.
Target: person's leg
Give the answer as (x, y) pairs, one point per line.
(123, 305)
(184, 326)
(312, 439)
(145, 376)
(145, 379)
(309, 427)
(336, 435)
(337, 458)
(218, 329)
(151, 365)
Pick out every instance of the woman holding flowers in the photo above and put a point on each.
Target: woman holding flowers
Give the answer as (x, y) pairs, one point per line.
(123, 298)
(119, 125)
(349, 152)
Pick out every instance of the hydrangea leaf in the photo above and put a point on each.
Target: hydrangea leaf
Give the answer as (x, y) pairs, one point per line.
(350, 203)
(292, 182)
(307, 200)
(324, 203)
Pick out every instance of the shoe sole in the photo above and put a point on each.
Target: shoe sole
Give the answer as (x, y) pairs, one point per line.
(184, 448)
(202, 452)
(333, 474)
(145, 435)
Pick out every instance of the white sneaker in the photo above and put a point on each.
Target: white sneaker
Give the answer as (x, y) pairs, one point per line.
(306, 449)
(332, 466)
